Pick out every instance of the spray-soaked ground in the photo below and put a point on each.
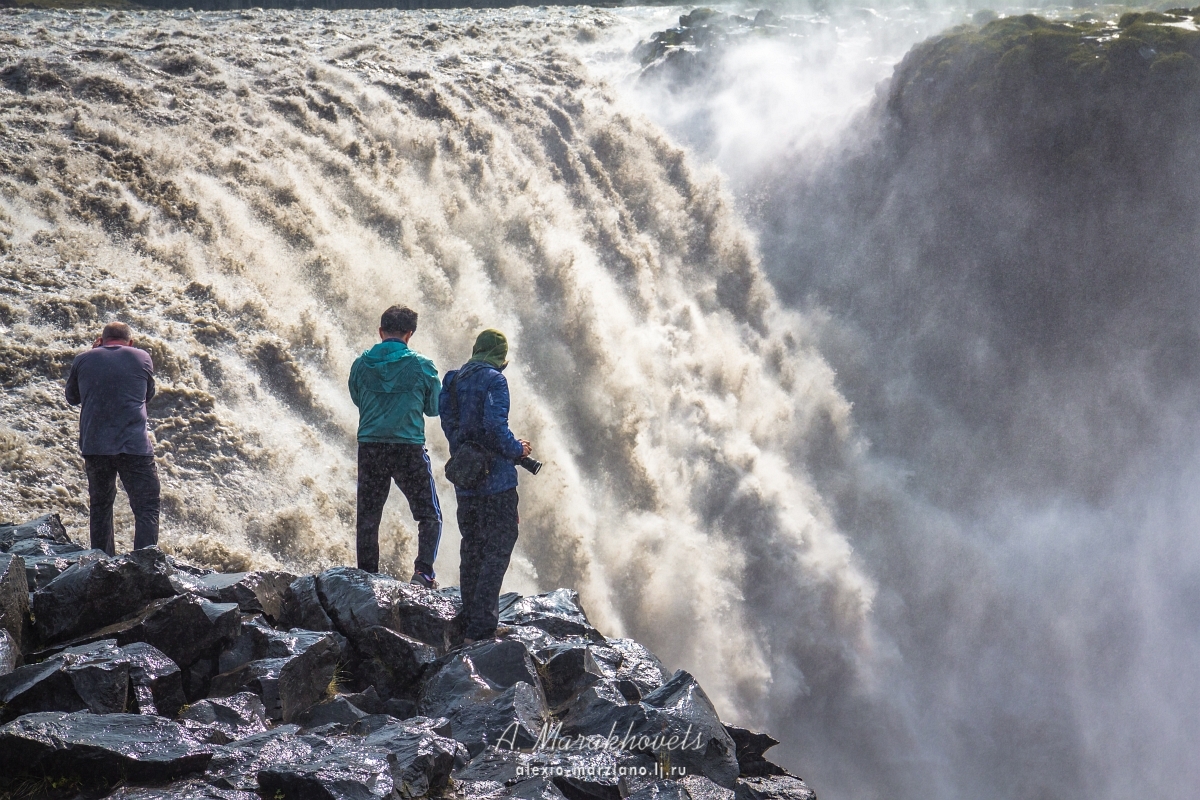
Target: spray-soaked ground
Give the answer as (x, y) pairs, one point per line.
(250, 190)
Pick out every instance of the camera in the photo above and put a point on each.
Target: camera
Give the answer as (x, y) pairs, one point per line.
(530, 463)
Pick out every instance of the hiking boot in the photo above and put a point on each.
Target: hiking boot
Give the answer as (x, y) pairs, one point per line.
(421, 579)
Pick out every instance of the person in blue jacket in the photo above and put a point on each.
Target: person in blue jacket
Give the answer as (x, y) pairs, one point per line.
(474, 402)
(395, 388)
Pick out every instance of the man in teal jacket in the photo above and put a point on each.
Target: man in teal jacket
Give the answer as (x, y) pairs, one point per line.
(395, 388)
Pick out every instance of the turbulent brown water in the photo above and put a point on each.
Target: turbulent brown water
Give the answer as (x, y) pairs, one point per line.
(250, 190)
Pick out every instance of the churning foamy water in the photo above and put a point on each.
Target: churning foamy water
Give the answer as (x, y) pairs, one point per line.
(250, 190)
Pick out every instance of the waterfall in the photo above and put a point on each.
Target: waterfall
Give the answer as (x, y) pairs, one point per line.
(250, 190)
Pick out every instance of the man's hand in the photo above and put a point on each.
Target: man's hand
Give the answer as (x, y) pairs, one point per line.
(526, 448)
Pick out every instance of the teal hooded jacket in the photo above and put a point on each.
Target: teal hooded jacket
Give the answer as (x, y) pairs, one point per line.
(393, 387)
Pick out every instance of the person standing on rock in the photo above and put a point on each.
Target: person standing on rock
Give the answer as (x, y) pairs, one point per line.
(112, 383)
(475, 403)
(394, 388)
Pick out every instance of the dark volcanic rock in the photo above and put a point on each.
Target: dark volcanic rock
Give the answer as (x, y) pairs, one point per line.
(334, 711)
(631, 665)
(515, 718)
(259, 640)
(391, 662)
(97, 593)
(558, 613)
(287, 685)
(421, 759)
(301, 608)
(155, 679)
(750, 747)
(184, 627)
(357, 600)
(40, 570)
(14, 599)
(566, 671)
(48, 528)
(349, 770)
(93, 677)
(254, 592)
(99, 747)
(225, 719)
(774, 787)
(10, 653)
(236, 765)
(676, 721)
(192, 789)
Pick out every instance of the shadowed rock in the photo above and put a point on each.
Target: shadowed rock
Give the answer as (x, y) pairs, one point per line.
(391, 662)
(558, 613)
(94, 677)
(97, 593)
(181, 790)
(254, 592)
(566, 671)
(288, 685)
(421, 758)
(102, 748)
(155, 679)
(774, 787)
(349, 770)
(357, 600)
(750, 747)
(14, 600)
(40, 570)
(225, 719)
(184, 627)
(10, 654)
(334, 711)
(258, 640)
(301, 608)
(48, 528)
(236, 765)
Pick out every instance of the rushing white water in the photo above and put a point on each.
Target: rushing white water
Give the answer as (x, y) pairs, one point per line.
(250, 190)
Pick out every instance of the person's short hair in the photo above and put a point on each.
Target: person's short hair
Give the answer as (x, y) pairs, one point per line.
(399, 319)
(116, 331)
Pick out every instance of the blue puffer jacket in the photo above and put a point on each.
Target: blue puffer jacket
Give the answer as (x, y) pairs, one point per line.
(480, 414)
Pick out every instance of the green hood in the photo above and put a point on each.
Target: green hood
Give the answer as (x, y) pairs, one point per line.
(388, 366)
(491, 347)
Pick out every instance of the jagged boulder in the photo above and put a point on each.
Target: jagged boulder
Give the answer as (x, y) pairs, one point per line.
(258, 640)
(356, 600)
(421, 757)
(225, 719)
(676, 721)
(184, 627)
(100, 748)
(14, 600)
(336, 711)
(155, 680)
(46, 528)
(236, 765)
(40, 570)
(347, 770)
(566, 671)
(99, 677)
(192, 789)
(301, 608)
(774, 787)
(558, 613)
(254, 592)
(391, 662)
(288, 685)
(750, 747)
(92, 594)
(10, 653)
(636, 671)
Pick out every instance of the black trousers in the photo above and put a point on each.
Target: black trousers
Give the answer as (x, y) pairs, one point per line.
(379, 464)
(488, 525)
(139, 476)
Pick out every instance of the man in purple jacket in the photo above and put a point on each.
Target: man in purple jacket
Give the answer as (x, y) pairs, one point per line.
(113, 382)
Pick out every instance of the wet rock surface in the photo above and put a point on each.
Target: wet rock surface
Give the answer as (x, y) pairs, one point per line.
(141, 677)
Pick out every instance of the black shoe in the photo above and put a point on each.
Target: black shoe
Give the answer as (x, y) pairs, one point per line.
(421, 579)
